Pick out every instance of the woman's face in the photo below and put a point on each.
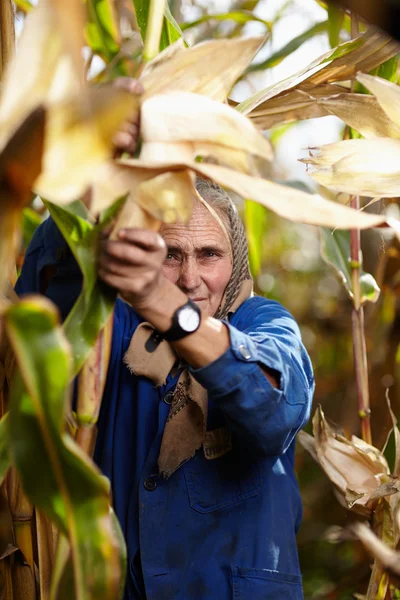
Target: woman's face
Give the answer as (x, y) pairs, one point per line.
(199, 259)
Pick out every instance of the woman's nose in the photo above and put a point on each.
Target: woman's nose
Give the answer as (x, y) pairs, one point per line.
(189, 277)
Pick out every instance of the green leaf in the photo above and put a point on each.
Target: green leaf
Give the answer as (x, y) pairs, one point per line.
(239, 16)
(335, 251)
(102, 30)
(5, 458)
(95, 304)
(292, 46)
(335, 23)
(171, 31)
(388, 70)
(255, 217)
(30, 221)
(23, 5)
(72, 492)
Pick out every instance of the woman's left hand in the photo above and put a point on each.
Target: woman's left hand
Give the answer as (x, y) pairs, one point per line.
(132, 264)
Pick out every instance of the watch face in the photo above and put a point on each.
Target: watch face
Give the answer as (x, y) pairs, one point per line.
(188, 319)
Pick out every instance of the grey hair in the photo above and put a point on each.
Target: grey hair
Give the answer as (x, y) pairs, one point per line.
(219, 200)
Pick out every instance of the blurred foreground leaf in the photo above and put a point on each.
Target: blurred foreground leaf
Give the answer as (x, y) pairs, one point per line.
(72, 492)
(238, 16)
(95, 304)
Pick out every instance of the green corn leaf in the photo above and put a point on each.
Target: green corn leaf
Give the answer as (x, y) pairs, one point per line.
(292, 46)
(335, 251)
(171, 31)
(239, 16)
(56, 475)
(102, 30)
(96, 302)
(23, 5)
(255, 217)
(4, 447)
(335, 23)
(30, 221)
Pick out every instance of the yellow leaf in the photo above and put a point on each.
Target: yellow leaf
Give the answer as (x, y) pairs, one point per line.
(351, 465)
(292, 106)
(79, 141)
(363, 113)
(169, 196)
(50, 34)
(185, 117)
(335, 66)
(210, 68)
(387, 94)
(364, 167)
(285, 201)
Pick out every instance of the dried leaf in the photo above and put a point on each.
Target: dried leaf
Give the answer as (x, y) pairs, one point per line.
(359, 167)
(47, 34)
(185, 117)
(210, 68)
(388, 557)
(387, 94)
(363, 113)
(293, 106)
(356, 468)
(285, 201)
(169, 197)
(79, 141)
(338, 65)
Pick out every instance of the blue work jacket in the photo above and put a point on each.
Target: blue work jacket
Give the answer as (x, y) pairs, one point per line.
(221, 529)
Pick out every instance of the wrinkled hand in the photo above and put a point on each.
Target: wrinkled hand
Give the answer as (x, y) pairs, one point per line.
(132, 264)
(126, 139)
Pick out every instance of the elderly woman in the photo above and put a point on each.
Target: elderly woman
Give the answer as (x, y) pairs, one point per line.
(207, 388)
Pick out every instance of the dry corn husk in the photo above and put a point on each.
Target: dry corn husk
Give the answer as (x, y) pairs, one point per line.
(365, 167)
(358, 470)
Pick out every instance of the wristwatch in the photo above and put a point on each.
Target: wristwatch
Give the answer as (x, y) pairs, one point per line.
(185, 320)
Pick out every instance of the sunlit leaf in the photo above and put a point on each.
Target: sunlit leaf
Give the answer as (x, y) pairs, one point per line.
(210, 68)
(72, 491)
(335, 23)
(255, 217)
(238, 16)
(359, 167)
(285, 201)
(277, 57)
(23, 5)
(79, 141)
(169, 197)
(102, 29)
(363, 113)
(294, 106)
(335, 250)
(185, 117)
(336, 66)
(94, 306)
(386, 92)
(170, 31)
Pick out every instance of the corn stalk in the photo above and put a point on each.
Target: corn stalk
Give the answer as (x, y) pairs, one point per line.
(7, 33)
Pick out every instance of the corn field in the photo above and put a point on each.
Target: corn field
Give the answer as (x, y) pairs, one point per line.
(60, 108)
